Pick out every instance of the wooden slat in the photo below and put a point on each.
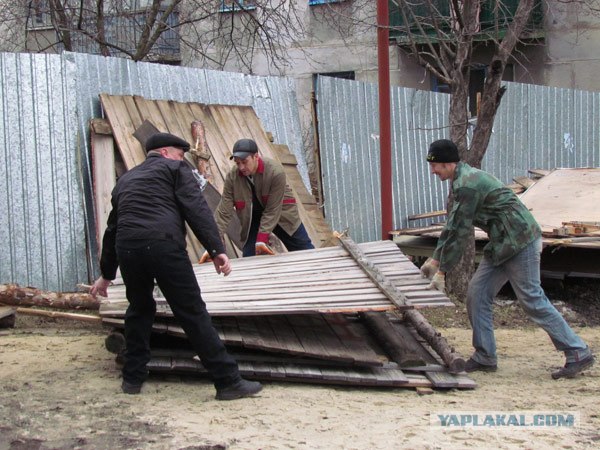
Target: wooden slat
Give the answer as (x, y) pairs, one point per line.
(104, 178)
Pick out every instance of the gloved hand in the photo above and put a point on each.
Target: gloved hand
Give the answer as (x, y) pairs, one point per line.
(429, 268)
(204, 258)
(260, 248)
(438, 282)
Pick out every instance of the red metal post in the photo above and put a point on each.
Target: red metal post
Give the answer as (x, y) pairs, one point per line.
(385, 134)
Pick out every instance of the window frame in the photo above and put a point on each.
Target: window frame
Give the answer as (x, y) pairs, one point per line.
(237, 5)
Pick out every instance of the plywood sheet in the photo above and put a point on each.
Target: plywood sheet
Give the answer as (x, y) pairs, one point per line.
(565, 195)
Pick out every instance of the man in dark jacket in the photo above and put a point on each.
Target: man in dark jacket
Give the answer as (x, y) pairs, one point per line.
(512, 254)
(145, 236)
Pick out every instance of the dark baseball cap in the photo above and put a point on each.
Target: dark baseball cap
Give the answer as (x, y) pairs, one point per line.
(244, 148)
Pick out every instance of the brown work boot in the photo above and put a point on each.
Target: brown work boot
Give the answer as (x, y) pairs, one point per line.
(242, 388)
(572, 369)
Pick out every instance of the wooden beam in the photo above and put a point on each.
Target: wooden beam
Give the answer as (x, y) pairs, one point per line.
(428, 215)
(526, 182)
(373, 272)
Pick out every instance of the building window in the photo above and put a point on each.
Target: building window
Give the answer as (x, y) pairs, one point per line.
(323, 2)
(349, 75)
(39, 14)
(237, 5)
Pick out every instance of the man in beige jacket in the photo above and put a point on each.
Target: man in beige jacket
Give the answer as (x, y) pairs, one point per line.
(257, 191)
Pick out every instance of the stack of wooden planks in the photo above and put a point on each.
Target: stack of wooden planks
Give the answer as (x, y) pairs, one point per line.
(276, 315)
(336, 349)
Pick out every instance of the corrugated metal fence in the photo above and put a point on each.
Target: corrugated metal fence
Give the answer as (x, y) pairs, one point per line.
(47, 235)
(536, 127)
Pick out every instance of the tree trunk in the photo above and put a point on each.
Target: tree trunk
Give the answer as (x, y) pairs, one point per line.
(59, 315)
(437, 342)
(13, 294)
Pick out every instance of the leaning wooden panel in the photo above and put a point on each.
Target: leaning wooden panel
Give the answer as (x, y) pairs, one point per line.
(103, 166)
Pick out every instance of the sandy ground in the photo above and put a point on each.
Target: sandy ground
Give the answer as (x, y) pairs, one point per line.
(61, 390)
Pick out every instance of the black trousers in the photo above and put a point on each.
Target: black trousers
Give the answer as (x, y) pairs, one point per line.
(168, 263)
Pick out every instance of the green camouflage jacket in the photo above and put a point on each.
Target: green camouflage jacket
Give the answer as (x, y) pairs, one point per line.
(481, 200)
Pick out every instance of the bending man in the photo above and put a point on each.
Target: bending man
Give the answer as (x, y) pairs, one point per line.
(145, 236)
(512, 254)
(257, 190)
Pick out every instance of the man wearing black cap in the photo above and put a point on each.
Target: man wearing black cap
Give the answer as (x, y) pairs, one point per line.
(512, 254)
(257, 190)
(145, 236)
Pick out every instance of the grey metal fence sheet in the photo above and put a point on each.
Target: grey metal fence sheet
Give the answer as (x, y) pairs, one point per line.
(536, 127)
(42, 228)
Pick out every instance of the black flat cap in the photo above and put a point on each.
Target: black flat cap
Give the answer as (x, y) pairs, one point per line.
(160, 140)
(244, 148)
(443, 151)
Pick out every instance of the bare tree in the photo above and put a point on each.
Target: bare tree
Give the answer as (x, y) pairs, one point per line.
(213, 31)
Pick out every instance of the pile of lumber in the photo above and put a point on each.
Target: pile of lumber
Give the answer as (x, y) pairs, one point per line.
(368, 349)
(313, 316)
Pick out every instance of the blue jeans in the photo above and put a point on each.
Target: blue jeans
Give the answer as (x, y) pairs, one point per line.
(523, 272)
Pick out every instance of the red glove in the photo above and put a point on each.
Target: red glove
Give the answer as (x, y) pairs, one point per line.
(260, 248)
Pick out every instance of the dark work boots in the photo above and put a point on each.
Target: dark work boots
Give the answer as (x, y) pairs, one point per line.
(130, 388)
(473, 366)
(572, 369)
(242, 388)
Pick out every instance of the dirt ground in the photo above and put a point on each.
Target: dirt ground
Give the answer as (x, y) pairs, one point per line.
(61, 390)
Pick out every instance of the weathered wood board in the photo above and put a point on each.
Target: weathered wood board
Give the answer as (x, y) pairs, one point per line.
(224, 126)
(322, 280)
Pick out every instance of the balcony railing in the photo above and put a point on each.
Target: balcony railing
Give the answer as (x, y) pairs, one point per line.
(434, 15)
(125, 32)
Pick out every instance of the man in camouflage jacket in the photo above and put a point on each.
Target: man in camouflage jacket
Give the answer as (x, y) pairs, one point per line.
(512, 254)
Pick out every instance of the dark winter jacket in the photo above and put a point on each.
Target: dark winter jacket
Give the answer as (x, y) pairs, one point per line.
(152, 202)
